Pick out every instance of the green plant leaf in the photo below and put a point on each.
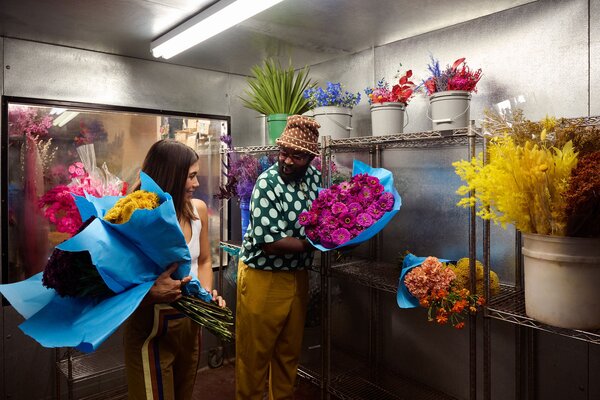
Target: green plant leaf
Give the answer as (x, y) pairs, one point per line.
(275, 90)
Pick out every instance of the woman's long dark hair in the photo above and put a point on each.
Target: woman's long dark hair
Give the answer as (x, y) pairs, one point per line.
(168, 163)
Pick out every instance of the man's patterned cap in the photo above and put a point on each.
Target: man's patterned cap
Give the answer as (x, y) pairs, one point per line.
(301, 133)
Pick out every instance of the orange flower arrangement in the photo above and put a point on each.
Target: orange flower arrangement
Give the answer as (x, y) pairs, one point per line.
(435, 286)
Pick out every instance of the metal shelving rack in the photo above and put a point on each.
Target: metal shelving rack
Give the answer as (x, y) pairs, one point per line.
(509, 306)
(378, 276)
(78, 367)
(354, 383)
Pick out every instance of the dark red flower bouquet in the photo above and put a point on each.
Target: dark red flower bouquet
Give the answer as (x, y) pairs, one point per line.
(351, 211)
(456, 77)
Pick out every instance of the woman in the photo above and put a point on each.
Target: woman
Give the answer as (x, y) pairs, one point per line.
(161, 344)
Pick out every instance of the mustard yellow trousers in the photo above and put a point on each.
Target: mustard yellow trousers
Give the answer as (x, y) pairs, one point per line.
(270, 314)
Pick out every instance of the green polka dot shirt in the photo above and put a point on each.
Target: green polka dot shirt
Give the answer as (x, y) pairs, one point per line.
(274, 210)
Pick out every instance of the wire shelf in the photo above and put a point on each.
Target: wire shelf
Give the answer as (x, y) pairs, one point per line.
(92, 365)
(355, 385)
(375, 274)
(406, 140)
(509, 306)
(255, 149)
(582, 121)
(231, 245)
(309, 374)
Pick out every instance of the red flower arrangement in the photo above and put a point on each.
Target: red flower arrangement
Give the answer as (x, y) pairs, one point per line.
(401, 92)
(456, 77)
(343, 211)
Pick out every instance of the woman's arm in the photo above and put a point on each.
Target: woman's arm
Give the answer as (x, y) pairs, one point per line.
(205, 272)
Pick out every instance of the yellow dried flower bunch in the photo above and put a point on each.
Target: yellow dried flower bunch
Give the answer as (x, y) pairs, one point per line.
(523, 184)
(123, 209)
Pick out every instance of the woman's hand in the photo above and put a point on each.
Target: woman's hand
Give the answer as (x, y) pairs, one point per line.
(165, 288)
(218, 299)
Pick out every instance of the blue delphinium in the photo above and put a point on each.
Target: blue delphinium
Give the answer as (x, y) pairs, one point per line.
(333, 95)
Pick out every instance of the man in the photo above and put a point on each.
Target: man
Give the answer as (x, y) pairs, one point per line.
(272, 278)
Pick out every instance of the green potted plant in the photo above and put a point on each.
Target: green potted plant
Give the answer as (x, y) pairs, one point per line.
(277, 92)
(542, 177)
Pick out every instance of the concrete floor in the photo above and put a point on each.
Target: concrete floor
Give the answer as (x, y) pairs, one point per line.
(219, 384)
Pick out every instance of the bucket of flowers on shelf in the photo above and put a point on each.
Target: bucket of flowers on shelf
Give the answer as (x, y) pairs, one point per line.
(443, 287)
(352, 211)
(388, 106)
(543, 179)
(95, 280)
(332, 109)
(449, 94)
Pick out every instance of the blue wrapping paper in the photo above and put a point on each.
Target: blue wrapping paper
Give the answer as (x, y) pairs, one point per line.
(129, 258)
(386, 178)
(403, 296)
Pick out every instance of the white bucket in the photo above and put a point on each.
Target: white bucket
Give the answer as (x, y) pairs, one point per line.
(562, 277)
(335, 121)
(387, 118)
(449, 110)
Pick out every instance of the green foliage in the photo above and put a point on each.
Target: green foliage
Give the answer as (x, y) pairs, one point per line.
(274, 90)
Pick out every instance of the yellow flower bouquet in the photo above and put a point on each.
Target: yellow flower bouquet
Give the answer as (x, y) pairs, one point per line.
(532, 178)
(543, 177)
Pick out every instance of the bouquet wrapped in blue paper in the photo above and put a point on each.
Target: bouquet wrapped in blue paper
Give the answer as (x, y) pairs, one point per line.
(442, 286)
(352, 211)
(95, 280)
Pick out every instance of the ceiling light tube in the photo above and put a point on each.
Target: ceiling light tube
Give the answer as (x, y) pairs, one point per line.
(208, 23)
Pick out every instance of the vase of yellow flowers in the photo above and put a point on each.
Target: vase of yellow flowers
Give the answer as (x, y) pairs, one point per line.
(543, 179)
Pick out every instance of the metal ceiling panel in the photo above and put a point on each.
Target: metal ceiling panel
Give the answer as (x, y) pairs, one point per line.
(308, 31)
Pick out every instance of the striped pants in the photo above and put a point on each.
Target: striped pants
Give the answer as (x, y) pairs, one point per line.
(161, 354)
(270, 314)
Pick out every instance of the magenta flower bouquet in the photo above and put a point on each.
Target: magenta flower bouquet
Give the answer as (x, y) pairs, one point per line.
(352, 211)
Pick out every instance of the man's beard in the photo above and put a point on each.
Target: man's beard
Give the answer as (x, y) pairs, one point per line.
(294, 172)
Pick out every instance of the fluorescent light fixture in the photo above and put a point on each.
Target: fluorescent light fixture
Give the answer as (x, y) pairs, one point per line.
(210, 22)
(64, 118)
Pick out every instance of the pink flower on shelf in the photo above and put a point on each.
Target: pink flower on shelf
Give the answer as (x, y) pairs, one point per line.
(77, 170)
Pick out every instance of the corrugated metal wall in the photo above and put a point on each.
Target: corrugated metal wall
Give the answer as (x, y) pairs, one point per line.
(540, 50)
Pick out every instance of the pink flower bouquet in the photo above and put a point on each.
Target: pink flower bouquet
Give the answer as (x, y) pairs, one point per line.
(352, 211)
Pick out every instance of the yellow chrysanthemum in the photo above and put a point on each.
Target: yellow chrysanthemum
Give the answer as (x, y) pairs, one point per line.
(123, 209)
(462, 280)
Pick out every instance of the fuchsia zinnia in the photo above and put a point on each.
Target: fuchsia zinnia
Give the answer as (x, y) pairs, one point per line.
(343, 211)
